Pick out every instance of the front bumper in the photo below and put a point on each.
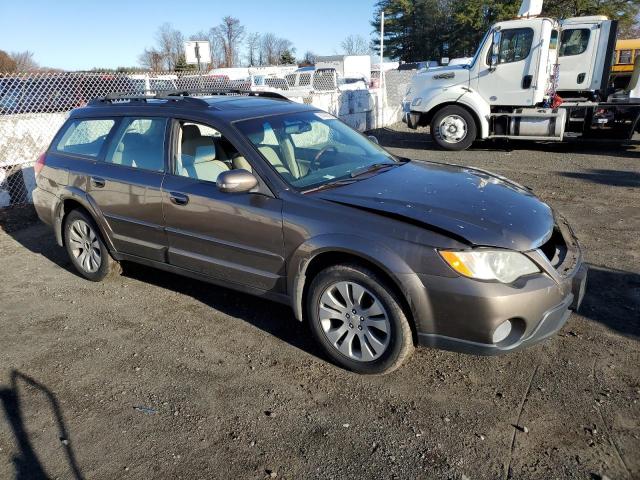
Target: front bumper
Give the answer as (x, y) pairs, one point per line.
(464, 313)
(412, 119)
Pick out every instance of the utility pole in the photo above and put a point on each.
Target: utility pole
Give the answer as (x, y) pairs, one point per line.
(382, 80)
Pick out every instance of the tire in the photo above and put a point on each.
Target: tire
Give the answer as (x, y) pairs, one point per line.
(461, 132)
(358, 342)
(80, 230)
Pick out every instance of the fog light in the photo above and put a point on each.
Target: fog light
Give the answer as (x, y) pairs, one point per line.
(502, 332)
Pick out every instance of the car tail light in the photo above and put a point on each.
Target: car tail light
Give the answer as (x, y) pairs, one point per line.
(39, 163)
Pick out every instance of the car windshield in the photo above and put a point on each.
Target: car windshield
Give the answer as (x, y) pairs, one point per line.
(312, 149)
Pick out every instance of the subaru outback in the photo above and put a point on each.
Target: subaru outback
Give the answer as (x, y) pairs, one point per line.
(281, 200)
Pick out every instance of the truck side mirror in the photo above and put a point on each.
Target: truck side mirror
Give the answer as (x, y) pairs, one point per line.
(494, 58)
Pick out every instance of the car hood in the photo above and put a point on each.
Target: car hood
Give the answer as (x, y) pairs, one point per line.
(474, 206)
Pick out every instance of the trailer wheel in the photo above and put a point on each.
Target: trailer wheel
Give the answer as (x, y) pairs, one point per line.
(453, 128)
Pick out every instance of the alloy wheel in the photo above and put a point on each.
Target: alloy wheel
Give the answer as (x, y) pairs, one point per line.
(84, 246)
(354, 321)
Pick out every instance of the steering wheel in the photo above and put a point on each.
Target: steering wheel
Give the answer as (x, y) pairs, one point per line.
(316, 160)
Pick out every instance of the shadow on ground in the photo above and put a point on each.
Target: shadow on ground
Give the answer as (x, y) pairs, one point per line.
(613, 299)
(271, 317)
(614, 178)
(421, 140)
(26, 461)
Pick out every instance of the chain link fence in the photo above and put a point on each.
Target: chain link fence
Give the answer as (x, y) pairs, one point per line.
(33, 106)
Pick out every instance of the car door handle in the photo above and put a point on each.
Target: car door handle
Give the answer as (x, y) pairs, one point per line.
(178, 198)
(526, 81)
(97, 182)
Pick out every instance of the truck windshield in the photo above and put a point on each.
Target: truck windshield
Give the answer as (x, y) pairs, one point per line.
(312, 149)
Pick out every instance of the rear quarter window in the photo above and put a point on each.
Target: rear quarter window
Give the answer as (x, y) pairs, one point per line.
(85, 137)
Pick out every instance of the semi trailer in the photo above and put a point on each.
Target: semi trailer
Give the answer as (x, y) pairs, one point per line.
(531, 78)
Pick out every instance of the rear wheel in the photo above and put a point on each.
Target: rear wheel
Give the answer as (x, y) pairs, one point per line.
(358, 320)
(85, 247)
(453, 128)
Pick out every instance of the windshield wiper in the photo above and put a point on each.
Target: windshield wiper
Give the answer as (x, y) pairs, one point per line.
(372, 168)
(326, 186)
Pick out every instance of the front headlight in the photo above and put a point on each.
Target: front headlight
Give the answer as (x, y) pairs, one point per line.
(416, 102)
(504, 266)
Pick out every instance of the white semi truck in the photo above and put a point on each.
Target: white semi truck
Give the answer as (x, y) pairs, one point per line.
(531, 78)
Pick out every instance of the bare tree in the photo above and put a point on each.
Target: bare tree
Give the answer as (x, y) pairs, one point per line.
(309, 58)
(272, 49)
(268, 49)
(24, 61)
(7, 64)
(152, 59)
(253, 48)
(230, 33)
(170, 44)
(355, 45)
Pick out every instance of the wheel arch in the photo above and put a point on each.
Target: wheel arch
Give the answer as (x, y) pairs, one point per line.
(322, 258)
(73, 200)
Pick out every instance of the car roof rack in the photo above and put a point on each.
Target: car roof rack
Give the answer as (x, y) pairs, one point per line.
(224, 91)
(127, 99)
(178, 96)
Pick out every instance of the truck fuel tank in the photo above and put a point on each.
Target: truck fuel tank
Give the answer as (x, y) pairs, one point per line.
(532, 123)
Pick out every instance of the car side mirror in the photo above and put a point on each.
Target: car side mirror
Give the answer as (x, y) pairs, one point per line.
(374, 139)
(494, 58)
(236, 181)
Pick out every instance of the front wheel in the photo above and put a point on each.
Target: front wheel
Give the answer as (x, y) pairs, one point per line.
(453, 128)
(358, 320)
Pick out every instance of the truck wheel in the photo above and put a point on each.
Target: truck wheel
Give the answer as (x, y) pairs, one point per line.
(453, 128)
(358, 321)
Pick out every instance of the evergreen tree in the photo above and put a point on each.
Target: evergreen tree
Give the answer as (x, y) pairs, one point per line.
(431, 29)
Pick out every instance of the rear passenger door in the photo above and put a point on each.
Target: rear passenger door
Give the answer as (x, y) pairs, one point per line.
(234, 237)
(126, 186)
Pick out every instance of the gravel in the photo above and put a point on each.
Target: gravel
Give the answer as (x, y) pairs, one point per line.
(238, 389)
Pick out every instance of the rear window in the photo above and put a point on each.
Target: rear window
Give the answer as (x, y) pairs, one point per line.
(85, 137)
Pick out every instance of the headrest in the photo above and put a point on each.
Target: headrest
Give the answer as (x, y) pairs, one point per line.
(205, 153)
(190, 132)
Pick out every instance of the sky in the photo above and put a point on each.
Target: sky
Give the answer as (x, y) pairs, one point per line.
(77, 35)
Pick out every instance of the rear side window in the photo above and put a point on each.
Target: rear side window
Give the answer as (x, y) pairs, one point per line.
(139, 143)
(574, 42)
(85, 137)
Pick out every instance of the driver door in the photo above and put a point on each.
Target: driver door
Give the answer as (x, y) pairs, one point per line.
(510, 81)
(233, 237)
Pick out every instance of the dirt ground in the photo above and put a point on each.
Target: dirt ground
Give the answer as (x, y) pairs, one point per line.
(152, 375)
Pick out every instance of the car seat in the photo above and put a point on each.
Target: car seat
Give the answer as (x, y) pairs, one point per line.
(203, 165)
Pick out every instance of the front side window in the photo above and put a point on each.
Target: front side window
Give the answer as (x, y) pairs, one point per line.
(574, 41)
(515, 45)
(139, 143)
(310, 149)
(202, 153)
(85, 137)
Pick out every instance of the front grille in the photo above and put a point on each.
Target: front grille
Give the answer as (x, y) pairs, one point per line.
(555, 249)
(561, 250)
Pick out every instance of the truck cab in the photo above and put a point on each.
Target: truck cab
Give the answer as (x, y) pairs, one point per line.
(585, 55)
(532, 78)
